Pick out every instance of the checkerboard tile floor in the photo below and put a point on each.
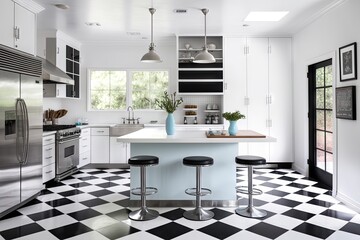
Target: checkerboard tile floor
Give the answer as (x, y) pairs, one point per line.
(92, 204)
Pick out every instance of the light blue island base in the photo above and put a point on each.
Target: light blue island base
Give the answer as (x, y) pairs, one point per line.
(171, 177)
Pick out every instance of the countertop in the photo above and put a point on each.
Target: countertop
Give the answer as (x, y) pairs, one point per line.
(48, 133)
(158, 135)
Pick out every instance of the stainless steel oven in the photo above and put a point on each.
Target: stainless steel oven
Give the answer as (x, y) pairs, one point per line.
(67, 149)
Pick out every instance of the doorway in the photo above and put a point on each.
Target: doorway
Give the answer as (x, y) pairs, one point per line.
(321, 157)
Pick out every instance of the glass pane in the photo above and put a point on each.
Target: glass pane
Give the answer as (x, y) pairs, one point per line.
(100, 100)
(328, 98)
(320, 140)
(320, 77)
(320, 159)
(320, 120)
(118, 80)
(329, 123)
(328, 75)
(140, 100)
(320, 98)
(117, 99)
(329, 142)
(329, 163)
(140, 81)
(99, 80)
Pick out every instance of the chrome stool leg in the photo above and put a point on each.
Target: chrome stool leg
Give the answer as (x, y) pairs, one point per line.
(250, 211)
(143, 214)
(198, 214)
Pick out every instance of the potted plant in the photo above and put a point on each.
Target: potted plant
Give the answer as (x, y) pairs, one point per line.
(233, 117)
(169, 103)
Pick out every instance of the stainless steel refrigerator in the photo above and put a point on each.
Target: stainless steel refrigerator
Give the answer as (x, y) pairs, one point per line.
(20, 128)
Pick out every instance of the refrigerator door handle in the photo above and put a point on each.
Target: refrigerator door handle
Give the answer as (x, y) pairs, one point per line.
(18, 119)
(26, 132)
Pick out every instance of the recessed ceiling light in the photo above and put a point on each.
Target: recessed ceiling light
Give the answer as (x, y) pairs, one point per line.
(265, 16)
(93, 24)
(62, 6)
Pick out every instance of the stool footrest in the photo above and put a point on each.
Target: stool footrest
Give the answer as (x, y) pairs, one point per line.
(245, 190)
(148, 191)
(203, 192)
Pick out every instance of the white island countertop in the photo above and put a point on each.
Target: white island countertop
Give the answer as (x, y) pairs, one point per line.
(158, 135)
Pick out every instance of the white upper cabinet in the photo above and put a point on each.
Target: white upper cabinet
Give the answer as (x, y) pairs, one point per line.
(18, 25)
(258, 83)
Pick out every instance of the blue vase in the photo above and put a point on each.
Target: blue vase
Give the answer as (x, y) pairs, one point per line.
(170, 124)
(233, 129)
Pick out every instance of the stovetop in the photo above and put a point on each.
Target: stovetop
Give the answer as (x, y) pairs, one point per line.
(47, 128)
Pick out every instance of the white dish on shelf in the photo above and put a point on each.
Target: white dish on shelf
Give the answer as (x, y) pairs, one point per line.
(190, 109)
(190, 115)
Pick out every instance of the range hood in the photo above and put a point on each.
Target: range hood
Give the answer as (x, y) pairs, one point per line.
(53, 74)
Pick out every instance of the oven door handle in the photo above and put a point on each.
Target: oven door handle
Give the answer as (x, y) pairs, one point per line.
(69, 140)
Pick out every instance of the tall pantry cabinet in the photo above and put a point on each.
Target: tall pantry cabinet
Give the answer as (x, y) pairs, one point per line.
(259, 84)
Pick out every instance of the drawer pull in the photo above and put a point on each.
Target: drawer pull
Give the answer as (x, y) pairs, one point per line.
(48, 140)
(49, 149)
(85, 158)
(84, 146)
(100, 131)
(48, 172)
(84, 139)
(49, 157)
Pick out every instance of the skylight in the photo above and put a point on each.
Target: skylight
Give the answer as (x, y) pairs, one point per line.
(265, 16)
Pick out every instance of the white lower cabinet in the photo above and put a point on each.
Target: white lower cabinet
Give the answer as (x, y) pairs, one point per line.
(119, 151)
(48, 161)
(100, 142)
(84, 147)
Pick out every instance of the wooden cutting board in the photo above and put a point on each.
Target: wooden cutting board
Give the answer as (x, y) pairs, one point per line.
(240, 134)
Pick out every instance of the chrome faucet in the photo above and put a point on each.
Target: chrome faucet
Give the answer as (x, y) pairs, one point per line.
(130, 111)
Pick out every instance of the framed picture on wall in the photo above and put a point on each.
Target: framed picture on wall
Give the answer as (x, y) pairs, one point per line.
(346, 102)
(347, 61)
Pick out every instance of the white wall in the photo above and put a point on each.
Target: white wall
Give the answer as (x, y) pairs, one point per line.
(335, 29)
(118, 56)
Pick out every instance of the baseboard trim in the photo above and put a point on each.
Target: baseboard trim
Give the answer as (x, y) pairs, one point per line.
(348, 201)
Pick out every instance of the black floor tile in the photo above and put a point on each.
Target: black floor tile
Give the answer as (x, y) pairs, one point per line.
(70, 193)
(298, 214)
(278, 172)
(21, 231)
(113, 178)
(84, 214)
(286, 178)
(297, 185)
(80, 184)
(117, 230)
(45, 214)
(87, 178)
(123, 203)
(321, 185)
(125, 193)
(314, 230)
(120, 215)
(219, 230)
(220, 214)
(96, 172)
(258, 172)
(277, 193)
(351, 228)
(320, 203)
(338, 214)
(287, 202)
(59, 202)
(267, 230)
(32, 202)
(51, 184)
(127, 184)
(70, 230)
(11, 215)
(107, 184)
(169, 231)
(120, 172)
(262, 178)
(270, 185)
(45, 192)
(174, 214)
(101, 193)
(306, 193)
(94, 202)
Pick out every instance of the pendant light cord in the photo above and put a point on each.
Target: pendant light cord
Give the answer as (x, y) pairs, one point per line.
(152, 11)
(205, 30)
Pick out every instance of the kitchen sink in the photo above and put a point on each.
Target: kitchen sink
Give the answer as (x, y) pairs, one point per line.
(123, 129)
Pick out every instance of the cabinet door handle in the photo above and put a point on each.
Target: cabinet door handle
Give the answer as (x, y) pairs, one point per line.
(48, 172)
(84, 139)
(84, 145)
(85, 158)
(49, 149)
(58, 50)
(100, 131)
(57, 92)
(48, 140)
(49, 157)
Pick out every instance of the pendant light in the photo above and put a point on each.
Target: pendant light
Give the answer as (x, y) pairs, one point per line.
(204, 56)
(151, 56)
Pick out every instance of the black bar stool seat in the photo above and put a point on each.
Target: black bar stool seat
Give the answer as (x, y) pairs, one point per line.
(249, 210)
(198, 214)
(143, 161)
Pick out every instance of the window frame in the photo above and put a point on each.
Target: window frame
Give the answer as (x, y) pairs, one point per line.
(128, 87)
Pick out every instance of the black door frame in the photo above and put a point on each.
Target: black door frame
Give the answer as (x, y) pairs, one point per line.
(314, 172)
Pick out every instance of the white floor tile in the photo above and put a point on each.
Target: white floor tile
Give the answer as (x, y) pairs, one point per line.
(342, 208)
(38, 236)
(72, 207)
(327, 222)
(305, 182)
(195, 235)
(295, 175)
(119, 188)
(89, 236)
(122, 181)
(246, 235)
(298, 197)
(275, 208)
(194, 224)
(49, 197)
(283, 221)
(267, 197)
(145, 225)
(55, 222)
(113, 197)
(240, 222)
(340, 235)
(40, 207)
(294, 235)
(107, 208)
(81, 197)
(327, 198)
(356, 219)
(271, 175)
(99, 222)
(61, 189)
(310, 208)
(287, 189)
(71, 181)
(97, 181)
(15, 222)
(315, 190)
(139, 236)
(279, 181)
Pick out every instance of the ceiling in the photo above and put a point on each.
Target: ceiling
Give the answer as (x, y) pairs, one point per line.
(118, 18)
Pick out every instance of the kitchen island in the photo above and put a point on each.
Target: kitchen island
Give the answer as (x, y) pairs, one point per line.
(171, 177)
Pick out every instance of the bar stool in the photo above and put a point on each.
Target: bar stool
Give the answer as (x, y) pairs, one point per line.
(143, 161)
(250, 211)
(198, 214)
